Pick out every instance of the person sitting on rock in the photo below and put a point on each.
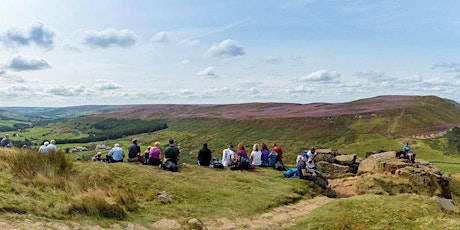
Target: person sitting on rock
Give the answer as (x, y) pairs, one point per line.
(407, 150)
(306, 173)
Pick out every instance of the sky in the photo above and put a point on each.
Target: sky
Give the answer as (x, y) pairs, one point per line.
(82, 52)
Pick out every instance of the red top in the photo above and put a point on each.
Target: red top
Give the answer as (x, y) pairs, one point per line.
(280, 153)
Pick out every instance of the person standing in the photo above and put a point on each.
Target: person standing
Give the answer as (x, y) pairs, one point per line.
(172, 153)
(6, 142)
(116, 154)
(228, 156)
(204, 155)
(134, 151)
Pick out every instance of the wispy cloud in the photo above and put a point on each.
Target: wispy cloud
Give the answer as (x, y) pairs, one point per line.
(447, 67)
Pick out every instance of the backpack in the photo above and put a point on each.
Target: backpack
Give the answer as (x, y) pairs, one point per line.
(291, 173)
(170, 166)
(279, 166)
(215, 163)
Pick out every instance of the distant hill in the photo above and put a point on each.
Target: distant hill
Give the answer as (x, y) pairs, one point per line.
(393, 115)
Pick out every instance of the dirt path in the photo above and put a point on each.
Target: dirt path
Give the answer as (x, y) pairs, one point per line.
(288, 215)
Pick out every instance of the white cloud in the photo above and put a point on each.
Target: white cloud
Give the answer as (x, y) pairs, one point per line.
(106, 85)
(369, 74)
(67, 91)
(226, 49)
(322, 76)
(208, 72)
(20, 63)
(37, 34)
(447, 67)
(161, 37)
(411, 79)
(110, 37)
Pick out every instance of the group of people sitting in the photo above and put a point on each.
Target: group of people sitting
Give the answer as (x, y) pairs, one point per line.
(152, 155)
(259, 156)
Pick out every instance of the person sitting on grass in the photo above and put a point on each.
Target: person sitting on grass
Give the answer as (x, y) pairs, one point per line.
(116, 154)
(228, 156)
(307, 174)
(204, 155)
(172, 153)
(155, 154)
(265, 153)
(256, 156)
(134, 151)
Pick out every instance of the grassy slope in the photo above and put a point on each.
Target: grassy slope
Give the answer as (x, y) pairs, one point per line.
(128, 191)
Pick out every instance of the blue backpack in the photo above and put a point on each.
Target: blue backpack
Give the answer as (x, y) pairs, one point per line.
(291, 173)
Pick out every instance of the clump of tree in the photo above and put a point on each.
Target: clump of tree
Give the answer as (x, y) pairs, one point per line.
(453, 140)
(112, 128)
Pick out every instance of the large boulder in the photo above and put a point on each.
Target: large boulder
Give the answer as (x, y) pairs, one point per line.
(334, 170)
(375, 162)
(328, 157)
(345, 159)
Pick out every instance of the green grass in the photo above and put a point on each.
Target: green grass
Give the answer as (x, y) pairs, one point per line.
(73, 191)
(380, 212)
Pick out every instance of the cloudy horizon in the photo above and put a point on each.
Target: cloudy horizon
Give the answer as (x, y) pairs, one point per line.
(67, 53)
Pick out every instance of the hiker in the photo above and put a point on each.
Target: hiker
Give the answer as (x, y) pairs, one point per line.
(52, 148)
(172, 153)
(311, 155)
(134, 151)
(256, 156)
(265, 153)
(146, 155)
(279, 151)
(204, 155)
(155, 154)
(6, 142)
(241, 153)
(307, 174)
(228, 156)
(43, 149)
(408, 152)
(116, 154)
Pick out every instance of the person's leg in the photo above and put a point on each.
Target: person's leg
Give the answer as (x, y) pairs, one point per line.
(316, 181)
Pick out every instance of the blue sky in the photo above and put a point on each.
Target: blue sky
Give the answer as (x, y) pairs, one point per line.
(65, 53)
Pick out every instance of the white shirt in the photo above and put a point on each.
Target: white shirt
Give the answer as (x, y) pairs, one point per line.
(51, 148)
(256, 158)
(227, 156)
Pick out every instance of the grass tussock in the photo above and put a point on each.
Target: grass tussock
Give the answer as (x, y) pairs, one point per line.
(97, 206)
(27, 164)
